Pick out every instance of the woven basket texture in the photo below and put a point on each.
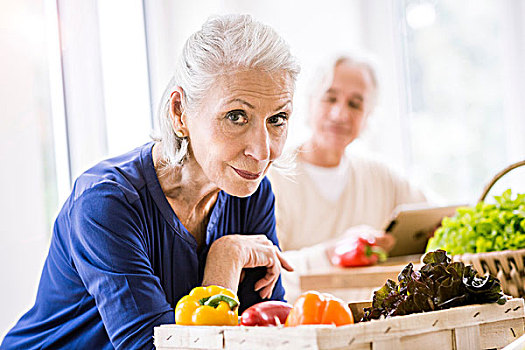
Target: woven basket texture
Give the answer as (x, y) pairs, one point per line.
(508, 265)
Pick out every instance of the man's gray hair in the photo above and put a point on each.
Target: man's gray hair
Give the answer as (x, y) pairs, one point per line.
(223, 45)
(325, 72)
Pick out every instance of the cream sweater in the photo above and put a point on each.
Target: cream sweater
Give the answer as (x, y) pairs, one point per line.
(306, 219)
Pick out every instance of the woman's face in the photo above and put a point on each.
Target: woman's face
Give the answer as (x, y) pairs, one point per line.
(338, 113)
(240, 128)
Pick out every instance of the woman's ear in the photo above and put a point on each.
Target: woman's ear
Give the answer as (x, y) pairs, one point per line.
(177, 114)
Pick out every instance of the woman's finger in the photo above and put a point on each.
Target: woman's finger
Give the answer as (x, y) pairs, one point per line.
(266, 284)
(243, 273)
(284, 263)
(260, 256)
(261, 239)
(272, 272)
(268, 290)
(263, 282)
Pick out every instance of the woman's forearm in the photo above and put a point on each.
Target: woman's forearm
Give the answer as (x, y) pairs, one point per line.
(222, 267)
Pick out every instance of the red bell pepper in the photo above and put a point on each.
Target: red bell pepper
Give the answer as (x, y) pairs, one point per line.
(266, 313)
(358, 251)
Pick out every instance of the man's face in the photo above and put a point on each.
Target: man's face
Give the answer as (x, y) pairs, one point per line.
(338, 114)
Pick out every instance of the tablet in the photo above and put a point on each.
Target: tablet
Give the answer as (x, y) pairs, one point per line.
(413, 225)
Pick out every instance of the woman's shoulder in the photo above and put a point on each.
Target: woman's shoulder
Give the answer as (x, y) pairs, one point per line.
(123, 174)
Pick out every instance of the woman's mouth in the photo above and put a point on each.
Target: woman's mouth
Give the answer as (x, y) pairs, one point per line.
(246, 174)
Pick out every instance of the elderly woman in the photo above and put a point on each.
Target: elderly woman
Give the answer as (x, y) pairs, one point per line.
(335, 194)
(139, 231)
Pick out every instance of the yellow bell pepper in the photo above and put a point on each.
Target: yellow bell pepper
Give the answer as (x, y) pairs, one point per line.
(210, 306)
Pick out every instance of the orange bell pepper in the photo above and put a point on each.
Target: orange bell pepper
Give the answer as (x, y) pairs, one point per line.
(319, 308)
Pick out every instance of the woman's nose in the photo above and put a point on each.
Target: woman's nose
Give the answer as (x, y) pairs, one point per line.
(258, 144)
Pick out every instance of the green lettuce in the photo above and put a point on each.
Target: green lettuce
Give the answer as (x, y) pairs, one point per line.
(483, 228)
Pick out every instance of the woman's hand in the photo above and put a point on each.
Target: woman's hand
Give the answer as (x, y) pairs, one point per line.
(230, 254)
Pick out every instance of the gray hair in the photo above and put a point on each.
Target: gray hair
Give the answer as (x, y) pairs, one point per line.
(223, 45)
(325, 73)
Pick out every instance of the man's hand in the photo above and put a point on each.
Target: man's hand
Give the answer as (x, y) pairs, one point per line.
(379, 237)
(382, 239)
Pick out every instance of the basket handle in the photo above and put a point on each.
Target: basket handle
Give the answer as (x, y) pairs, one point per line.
(497, 177)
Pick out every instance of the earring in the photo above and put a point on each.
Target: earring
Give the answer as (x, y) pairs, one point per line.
(179, 134)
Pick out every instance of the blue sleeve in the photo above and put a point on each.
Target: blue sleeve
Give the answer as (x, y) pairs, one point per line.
(262, 221)
(109, 253)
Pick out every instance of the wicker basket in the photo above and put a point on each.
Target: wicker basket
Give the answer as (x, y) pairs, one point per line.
(508, 265)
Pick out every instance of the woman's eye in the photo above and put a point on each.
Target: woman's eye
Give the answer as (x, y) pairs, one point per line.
(278, 119)
(237, 117)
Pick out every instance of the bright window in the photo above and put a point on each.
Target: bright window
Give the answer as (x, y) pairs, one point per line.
(450, 115)
(28, 200)
(455, 98)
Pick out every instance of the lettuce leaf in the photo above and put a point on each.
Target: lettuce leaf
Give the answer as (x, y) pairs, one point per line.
(484, 227)
(439, 284)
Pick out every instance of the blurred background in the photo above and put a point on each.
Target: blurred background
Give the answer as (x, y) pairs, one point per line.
(81, 81)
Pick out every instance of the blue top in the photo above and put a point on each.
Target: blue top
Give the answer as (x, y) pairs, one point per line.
(120, 259)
